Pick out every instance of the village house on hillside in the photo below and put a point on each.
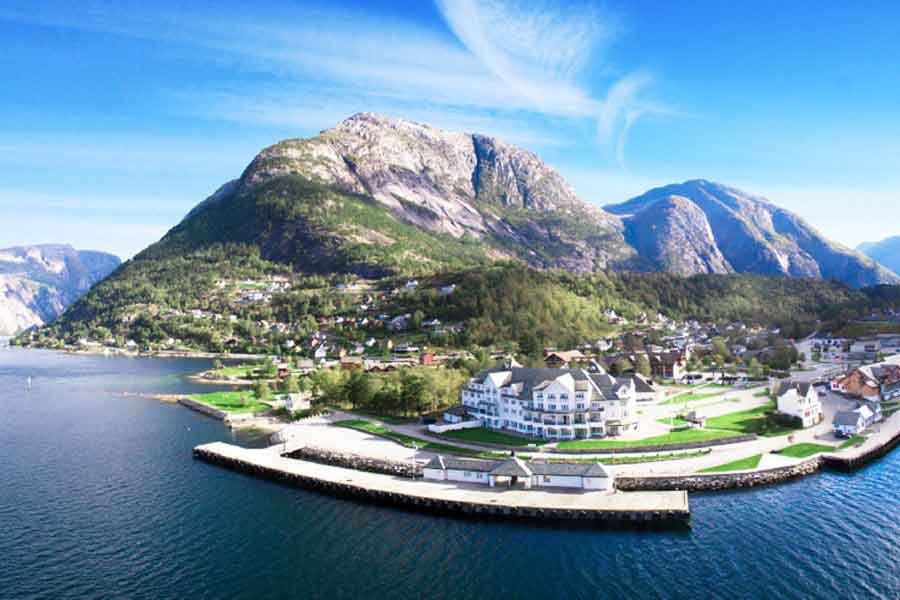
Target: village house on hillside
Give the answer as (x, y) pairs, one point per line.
(879, 382)
(799, 400)
(562, 359)
(553, 403)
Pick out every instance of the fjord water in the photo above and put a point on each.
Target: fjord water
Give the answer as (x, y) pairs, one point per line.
(100, 498)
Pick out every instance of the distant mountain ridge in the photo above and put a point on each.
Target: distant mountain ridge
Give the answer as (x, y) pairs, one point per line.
(704, 227)
(886, 252)
(380, 197)
(37, 283)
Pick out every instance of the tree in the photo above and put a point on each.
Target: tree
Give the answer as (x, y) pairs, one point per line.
(268, 368)
(754, 369)
(261, 390)
(360, 389)
(217, 364)
(720, 348)
(643, 365)
(290, 385)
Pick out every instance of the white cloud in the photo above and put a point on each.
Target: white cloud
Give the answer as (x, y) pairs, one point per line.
(539, 51)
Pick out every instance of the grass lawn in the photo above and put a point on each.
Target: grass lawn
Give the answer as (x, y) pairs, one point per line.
(489, 436)
(804, 450)
(677, 422)
(389, 419)
(761, 394)
(242, 371)
(231, 401)
(690, 397)
(405, 439)
(744, 464)
(856, 440)
(754, 420)
(673, 437)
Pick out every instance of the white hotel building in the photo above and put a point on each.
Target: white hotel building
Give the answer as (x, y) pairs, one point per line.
(553, 404)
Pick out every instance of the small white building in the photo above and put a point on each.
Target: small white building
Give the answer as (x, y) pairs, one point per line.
(848, 423)
(800, 400)
(516, 473)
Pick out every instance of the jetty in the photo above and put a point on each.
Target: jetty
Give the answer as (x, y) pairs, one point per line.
(646, 507)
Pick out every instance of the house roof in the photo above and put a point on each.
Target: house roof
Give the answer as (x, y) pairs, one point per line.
(847, 417)
(802, 387)
(461, 464)
(527, 380)
(570, 469)
(512, 467)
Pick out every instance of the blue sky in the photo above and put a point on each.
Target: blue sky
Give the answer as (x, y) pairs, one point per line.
(117, 117)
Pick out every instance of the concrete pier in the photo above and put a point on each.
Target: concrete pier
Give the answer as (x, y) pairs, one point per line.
(659, 507)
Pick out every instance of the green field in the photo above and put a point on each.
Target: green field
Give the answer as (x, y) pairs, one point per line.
(405, 440)
(231, 401)
(754, 420)
(744, 464)
(804, 450)
(691, 397)
(856, 440)
(489, 436)
(676, 422)
(675, 437)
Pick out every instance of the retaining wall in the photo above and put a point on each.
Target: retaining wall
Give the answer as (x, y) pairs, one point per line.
(720, 481)
(653, 518)
(357, 462)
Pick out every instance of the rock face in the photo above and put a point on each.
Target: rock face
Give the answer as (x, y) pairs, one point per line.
(886, 252)
(37, 283)
(462, 185)
(705, 227)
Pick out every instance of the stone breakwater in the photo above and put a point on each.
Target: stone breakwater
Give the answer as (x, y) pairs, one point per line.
(720, 481)
(356, 462)
(635, 508)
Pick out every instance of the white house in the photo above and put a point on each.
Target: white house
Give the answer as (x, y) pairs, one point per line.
(800, 400)
(514, 472)
(848, 423)
(552, 403)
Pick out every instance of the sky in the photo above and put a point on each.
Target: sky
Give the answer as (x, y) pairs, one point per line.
(116, 118)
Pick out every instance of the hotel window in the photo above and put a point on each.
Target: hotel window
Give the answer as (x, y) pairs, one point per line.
(563, 396)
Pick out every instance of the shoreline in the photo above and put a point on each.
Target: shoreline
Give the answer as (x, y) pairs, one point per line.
(432, 497)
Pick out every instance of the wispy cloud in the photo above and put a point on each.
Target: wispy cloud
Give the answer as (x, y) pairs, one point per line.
(516, 69)
(540, 51)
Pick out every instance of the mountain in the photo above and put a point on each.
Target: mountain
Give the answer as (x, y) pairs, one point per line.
(885, 252)
(37, 283)
(704, 227)
(384, 198)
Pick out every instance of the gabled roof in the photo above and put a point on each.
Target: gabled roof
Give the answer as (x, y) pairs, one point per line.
(512, 467)
(460, 464)
(528, 380)
(802, 387)
(570, 469)
(847, 417)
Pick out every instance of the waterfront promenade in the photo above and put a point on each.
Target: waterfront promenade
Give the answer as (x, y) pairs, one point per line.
(452, 497)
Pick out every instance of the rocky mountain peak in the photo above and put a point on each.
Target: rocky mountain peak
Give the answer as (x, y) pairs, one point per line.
(447, 182)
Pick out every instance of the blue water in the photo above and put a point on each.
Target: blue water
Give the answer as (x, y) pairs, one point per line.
(100, 498)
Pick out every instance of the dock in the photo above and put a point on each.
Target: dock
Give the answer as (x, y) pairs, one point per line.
(646, 507)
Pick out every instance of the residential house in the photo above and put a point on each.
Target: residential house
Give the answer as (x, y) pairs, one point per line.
(560, 360)
(552, 403)
(669, 365)
(880, 382)
(848, 423)
(799, 400)
(514, 472)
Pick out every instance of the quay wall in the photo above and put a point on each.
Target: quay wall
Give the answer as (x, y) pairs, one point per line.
(636, 517)
(213, 412)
